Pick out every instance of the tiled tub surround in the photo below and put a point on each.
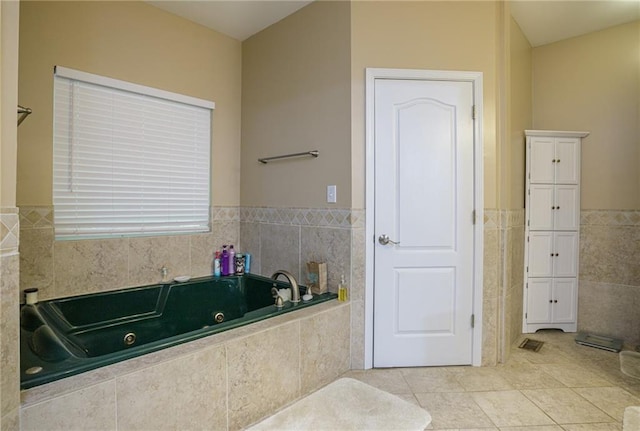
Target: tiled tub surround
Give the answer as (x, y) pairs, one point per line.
(288, 238)
(9, 319)
(67, 268)
(609, 293)
(226, 381)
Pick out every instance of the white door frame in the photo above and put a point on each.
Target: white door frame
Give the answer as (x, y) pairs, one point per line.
(478, 230)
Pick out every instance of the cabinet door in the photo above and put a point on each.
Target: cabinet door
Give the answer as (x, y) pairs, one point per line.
(564, 300)
(567, 160)
(565, 250)
(541, 254)
(538, 300)
(541, 202)
(541, 156)
(566, 215)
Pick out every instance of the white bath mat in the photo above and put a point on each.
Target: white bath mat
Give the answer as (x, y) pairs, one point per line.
(630, 363)
(348, 404)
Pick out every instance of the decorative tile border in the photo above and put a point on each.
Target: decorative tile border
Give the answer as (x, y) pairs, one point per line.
(610, 217)
(491, 218)
(9, 231)
(41, 217)
(36, 217)
(225, 214)
(319, 217)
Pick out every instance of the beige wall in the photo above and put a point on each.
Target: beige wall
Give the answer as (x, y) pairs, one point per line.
(424, 35)
(592, 83)
(295, 97)
(9, 75)
(135, 42)
(520, 112)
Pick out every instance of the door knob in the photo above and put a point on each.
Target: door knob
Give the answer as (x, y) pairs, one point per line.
(384, 240)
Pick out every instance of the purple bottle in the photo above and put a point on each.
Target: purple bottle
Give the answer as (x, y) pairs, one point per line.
(224, 264)
(231, 269)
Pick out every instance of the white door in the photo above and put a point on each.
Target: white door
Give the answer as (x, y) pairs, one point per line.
(424, 199)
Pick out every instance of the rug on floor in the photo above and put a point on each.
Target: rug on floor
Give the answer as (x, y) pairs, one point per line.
(348, 404)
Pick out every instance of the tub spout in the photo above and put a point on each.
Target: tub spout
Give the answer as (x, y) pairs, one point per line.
(295, 290)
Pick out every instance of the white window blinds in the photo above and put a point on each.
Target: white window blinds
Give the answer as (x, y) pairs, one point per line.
(128, 160)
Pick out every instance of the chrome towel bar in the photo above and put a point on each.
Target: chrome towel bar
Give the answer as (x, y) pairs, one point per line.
(23, 113)
(313, 153)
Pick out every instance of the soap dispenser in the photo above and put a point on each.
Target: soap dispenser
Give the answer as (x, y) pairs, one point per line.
(342, 289)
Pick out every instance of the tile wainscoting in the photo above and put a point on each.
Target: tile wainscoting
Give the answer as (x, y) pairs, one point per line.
(609, 293)
(67, 268)
(9, 319)
(503, 278)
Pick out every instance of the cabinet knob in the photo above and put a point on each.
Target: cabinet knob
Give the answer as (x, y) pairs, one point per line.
(555, 301)
(553, 208)
(556, 254)
(553, 161)
(558, 161)
(557, 208)
(550, 301)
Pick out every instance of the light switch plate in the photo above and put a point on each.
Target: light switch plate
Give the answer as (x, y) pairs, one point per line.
(331, 194)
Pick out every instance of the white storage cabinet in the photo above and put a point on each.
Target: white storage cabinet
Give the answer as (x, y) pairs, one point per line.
(552, 230)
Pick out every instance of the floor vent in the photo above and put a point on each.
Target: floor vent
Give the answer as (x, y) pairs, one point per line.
(530, 344)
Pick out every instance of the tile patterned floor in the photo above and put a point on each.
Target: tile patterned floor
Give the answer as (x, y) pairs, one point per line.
(563, 387)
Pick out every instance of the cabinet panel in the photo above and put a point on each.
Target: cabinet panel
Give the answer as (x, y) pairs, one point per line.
(541, 202)
(541, 165)
(567, 165)
(565, 249)
(564, 300)
(538, 297)
(567, 204)
(540, 254)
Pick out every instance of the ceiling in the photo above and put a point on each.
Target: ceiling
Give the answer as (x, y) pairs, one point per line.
(542, 21)
(239, 19)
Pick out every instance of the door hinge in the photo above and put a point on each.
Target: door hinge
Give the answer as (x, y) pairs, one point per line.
(527, 285)
(527, 269)
(527, 239)
(473, 112)
(473, 320)
(526, 315)
(528, 224)
(473, 216)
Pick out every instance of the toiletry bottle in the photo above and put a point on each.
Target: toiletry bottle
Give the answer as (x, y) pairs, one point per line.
(247, 263)
(216, 265)
(342, 289)
(232, 261)
(224, 262)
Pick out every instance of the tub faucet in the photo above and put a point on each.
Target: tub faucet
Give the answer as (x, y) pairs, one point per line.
(295, 290)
